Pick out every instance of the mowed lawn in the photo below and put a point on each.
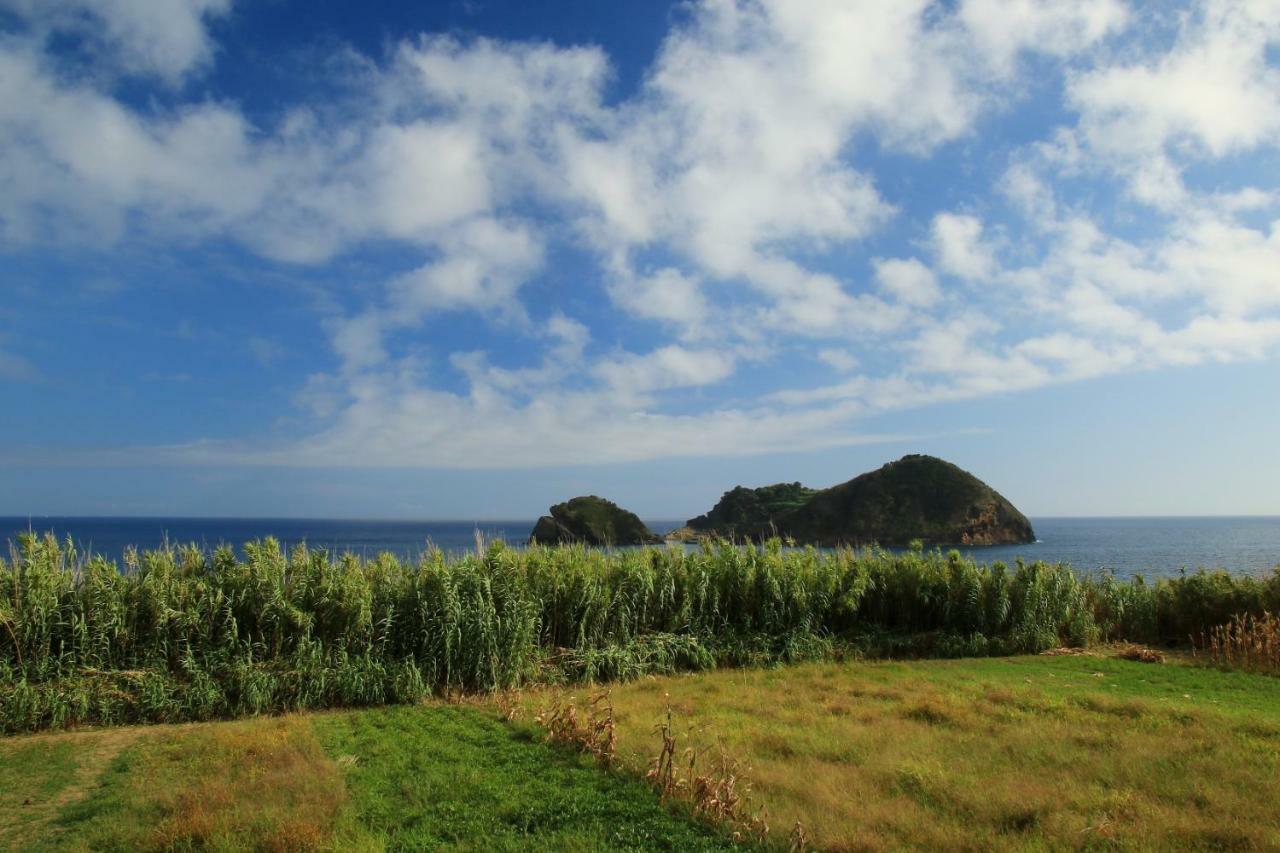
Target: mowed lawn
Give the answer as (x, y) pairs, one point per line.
(428, 777)
(1014, 753)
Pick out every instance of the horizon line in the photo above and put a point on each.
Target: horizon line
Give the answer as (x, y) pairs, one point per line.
(31, 517)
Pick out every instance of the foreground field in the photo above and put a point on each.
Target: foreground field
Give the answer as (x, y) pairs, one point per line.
(431, 777)
(1024, 752)
(1029, 752)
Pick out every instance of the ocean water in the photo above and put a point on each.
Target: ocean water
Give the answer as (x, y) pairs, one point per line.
(1152, 547)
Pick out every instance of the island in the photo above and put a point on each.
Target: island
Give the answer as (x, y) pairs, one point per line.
(918, 497)
(591, 520)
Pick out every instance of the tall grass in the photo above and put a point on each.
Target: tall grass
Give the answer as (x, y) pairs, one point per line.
(182, 633)
(1248, 642)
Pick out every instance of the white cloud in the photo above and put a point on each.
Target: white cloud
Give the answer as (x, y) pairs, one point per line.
(723, 200)
(394, 423)
(959, 245)
(668, 367)
(1214, 92)
(166, 38)
(567, 341)
(909, 281)
(1236, 268)
(1214, 87)
(1004, 28)
(358, 341)
(668, 294)
(481, 265)
(841, 360)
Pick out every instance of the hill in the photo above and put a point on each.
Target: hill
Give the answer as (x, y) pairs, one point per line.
(591, 520)
(916, 497)
(742, 511)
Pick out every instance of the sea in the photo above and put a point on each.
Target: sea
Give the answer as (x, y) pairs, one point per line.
(1152, 547)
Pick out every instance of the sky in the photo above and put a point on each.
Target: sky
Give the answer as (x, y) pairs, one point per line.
(462, 260)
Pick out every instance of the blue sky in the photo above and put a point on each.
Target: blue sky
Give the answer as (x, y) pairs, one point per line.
(466, 259)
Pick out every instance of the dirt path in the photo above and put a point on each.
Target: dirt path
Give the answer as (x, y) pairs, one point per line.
(53, 771)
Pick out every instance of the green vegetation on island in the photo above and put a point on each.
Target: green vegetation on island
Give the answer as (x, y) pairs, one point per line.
(743, 513)
(591, 520)
(915, 498)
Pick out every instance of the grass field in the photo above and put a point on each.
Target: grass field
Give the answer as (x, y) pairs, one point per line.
(430, 777)
(1015, 753)
(1026, 752)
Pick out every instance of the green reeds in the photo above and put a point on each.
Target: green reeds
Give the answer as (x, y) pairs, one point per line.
(181, 633)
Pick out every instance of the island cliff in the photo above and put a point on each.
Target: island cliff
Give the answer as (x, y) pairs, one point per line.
(591, 520)
(917, 497)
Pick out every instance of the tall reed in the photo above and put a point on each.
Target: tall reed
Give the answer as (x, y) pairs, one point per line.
(184, 633)
(1246, 642)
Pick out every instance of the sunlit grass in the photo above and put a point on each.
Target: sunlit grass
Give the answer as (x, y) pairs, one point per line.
(427, 777)
(1029, 752)
(457, 778)
(1001, 753)
(262, 784)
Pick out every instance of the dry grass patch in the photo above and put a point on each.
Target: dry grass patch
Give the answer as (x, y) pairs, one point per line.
(261, 784)
(270, 781)
(1066, 751)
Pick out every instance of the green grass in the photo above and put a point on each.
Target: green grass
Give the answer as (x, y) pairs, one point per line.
(35, 773)
(429, 777)
(1019, 753)
(459, 779)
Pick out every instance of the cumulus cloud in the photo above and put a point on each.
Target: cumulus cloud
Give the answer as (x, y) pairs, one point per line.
(667, 295)
(729, 208)
(908, 281)
(667, 367)
(1216, 92)
(165, 38)
(959, 245)
(1004, 28)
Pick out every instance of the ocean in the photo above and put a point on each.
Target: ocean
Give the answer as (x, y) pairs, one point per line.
(1153, 547)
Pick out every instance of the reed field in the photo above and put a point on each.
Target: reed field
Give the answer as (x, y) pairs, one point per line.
(183, 634)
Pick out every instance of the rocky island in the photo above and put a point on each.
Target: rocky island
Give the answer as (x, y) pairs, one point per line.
(591, 520)
(917, 497)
